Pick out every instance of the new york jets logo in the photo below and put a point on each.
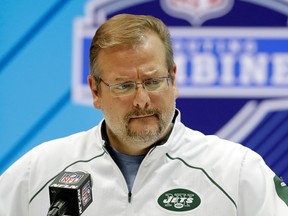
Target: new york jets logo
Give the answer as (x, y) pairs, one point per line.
(179, 200)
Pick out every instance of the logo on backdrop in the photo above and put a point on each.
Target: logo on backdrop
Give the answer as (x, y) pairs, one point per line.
(212, 62)
(196, 11)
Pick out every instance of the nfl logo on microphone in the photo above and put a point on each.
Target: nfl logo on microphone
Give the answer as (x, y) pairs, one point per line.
(70, 178)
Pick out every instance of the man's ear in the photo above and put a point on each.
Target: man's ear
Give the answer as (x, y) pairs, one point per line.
(173, 74)
(95, 92)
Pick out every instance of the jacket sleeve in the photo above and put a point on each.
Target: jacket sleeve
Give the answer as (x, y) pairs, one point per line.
(14, 188)
(261, 192)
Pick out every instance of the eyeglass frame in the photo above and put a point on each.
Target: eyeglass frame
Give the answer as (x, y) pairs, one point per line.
(135, 85)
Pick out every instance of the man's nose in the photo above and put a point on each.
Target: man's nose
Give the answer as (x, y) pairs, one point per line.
(141, 98)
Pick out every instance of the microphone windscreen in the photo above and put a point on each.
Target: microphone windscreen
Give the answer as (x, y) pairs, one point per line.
(74, 187)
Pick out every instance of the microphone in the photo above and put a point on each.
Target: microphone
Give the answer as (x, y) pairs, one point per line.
(70, 193)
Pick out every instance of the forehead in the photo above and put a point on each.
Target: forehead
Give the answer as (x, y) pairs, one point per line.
(146, 57)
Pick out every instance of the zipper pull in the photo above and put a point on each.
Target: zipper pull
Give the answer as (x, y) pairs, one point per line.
(129, 196)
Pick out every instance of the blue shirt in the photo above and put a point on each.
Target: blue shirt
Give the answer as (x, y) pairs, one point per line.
(128, 165)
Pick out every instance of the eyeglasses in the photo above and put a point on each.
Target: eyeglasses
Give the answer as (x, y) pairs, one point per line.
(127, 88)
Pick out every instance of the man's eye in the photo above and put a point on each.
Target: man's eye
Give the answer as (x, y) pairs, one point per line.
(125, 86)
(152, 82)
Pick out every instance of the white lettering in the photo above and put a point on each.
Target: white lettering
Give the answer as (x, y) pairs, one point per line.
(204, 69)
(254, 69)
(169, 198)
(280, 70)
(179, 200)
(181, 62)
(229, 69)
(79, 201)
(227, 76)
(65, 186)
(234, 46)
(189, 200)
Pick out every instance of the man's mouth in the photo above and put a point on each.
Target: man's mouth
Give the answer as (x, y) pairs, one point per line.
(142, 116)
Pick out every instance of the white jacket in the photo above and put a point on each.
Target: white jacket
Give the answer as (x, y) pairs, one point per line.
(191, 174)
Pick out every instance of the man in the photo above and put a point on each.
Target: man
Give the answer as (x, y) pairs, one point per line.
(142, 159)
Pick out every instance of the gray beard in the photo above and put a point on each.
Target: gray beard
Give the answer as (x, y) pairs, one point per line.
(143, 139)
(145, 136)
(149, 137)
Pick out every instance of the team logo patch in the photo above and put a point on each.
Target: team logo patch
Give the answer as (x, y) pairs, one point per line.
(281, 189)
(179, 200)
(70, 178)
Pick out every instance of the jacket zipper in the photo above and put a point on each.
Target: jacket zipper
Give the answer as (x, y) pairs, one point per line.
(129, 197)
(137, 175)
(129, 193)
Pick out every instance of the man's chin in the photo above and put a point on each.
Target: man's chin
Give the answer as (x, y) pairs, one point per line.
(144, 133)
(143, 126)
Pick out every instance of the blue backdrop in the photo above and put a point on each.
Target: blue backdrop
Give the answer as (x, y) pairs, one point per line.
(43, 67)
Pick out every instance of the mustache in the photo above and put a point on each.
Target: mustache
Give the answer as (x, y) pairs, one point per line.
(136, 113)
